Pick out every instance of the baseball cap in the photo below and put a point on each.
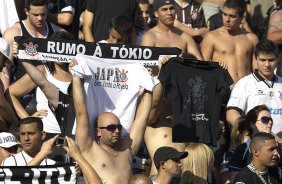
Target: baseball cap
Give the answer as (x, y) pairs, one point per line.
(5, 50)
(7, 140)
(165, 153)
(159, 3)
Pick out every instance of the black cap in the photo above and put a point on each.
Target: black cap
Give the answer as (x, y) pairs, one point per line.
(159, 3)
(165, 153)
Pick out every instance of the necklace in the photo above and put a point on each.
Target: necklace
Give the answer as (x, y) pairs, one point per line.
(252, 167)
(113, 152)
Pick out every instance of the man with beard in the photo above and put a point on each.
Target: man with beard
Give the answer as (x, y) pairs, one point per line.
(34, 26)
(265, 157)
(111, 156)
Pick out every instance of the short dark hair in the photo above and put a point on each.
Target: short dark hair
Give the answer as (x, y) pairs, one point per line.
(239, 5)
(122, 25)
(32, 119)
(28, 3)
(143, 1)
(245, 122)
(258, 140)
(266, 47)
(57, 36)
(62, 35)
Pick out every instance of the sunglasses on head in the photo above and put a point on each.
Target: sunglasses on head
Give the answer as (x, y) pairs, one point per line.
(265, 119)
(112, 127)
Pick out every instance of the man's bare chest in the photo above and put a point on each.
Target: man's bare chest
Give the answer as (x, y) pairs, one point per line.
(232, 46)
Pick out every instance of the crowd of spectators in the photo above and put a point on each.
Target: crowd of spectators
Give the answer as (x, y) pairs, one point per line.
(42, 103)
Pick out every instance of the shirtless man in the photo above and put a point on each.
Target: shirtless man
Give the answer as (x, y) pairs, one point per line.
(230, 44)
(35, 25)
(164, 34)
(159, 131)
(111, 156)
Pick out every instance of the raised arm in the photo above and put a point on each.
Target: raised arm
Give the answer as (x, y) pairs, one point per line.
(48, 88)
(47, 148)
(156, 104)
(62, 18)
(89, 173)
(18, 89)
(139, 125)
(83, 135)
(88, 19)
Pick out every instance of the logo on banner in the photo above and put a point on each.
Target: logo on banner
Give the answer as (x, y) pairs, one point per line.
(111, 78)
(123, 76)
(30, 49)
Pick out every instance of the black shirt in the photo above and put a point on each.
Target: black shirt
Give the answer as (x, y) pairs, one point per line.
(65, 114)
(248, 176)
(105, 10)
(200, 88)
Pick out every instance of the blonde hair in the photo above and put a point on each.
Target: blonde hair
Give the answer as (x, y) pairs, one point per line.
(197, 165)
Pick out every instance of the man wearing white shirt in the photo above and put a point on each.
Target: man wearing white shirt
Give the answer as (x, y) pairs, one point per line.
(260, 87)
(31, 138)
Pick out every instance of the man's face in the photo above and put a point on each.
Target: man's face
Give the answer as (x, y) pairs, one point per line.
(109, 131)
(31, 138)
(6, 152)
(166, 14)
(266, 64)
(231, 19)
(268, 153)
(261, 123)
(115, 37)
(144, 12)
(37, 15)
(173, 167)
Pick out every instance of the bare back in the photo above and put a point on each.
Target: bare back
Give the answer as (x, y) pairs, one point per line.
(158, 135)
(233, 50)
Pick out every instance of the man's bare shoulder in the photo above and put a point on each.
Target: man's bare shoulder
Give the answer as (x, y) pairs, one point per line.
(149, 38)
(151, 33)
(16, 29)
(212, 34)
(252, 37)
(11, 32)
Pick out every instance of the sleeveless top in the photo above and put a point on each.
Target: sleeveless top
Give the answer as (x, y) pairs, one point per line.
(28, 101)
(50, 123)
(19, 70)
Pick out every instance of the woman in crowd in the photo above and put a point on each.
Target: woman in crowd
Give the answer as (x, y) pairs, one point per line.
(256, 120)
(199, 164)
(58, 74)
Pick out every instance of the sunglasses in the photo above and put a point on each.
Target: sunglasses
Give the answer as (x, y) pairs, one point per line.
(112, 128)
(265, 119)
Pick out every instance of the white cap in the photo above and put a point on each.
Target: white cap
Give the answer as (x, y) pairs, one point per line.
(7, 140)
(5, 50)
